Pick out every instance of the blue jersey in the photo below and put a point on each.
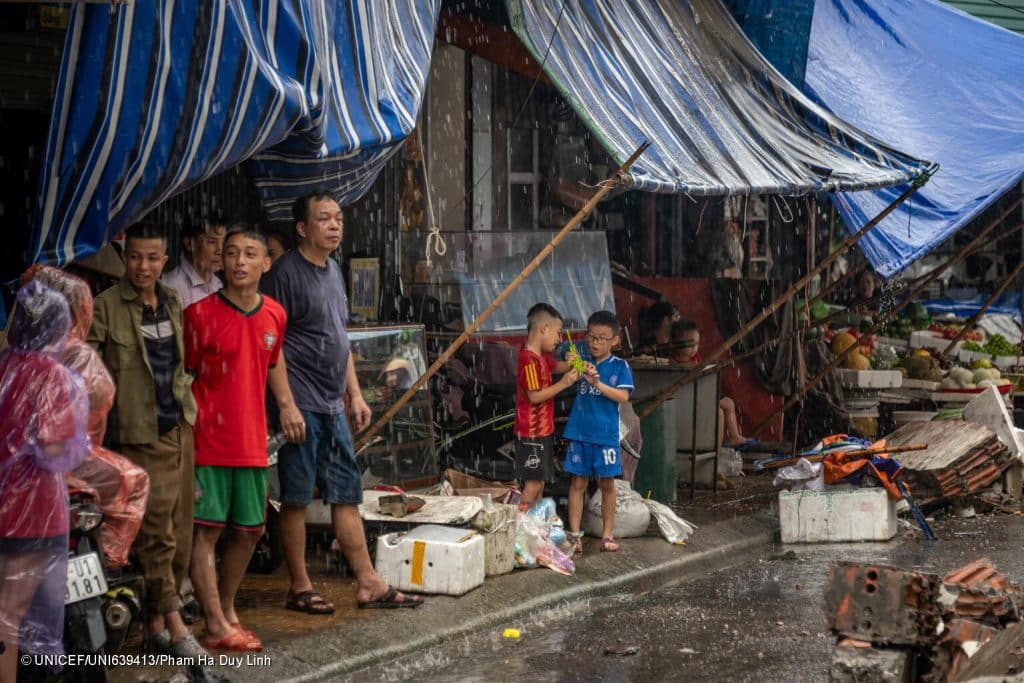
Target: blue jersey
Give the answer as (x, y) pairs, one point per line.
(595, 418)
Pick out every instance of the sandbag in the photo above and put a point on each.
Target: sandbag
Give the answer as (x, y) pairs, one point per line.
(632, 517)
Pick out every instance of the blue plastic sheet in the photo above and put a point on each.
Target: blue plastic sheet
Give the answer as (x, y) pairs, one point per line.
(1008, 303)
(936, 83)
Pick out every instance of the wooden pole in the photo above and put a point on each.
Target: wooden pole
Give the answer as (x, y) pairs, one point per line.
(838, 281)
(840, 357)
(984, 307)
(669, 392)
(605, 188)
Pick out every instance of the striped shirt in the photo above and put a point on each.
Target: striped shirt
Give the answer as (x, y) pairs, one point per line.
(161, 349)
(534, 420)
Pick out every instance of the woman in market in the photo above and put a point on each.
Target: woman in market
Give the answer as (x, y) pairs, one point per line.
(656, 328)
(43, 434)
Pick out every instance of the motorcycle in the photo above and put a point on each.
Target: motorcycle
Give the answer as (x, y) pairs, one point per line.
(100, 606)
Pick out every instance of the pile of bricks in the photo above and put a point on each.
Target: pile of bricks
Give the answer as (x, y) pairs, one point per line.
(896, 625)
(963, 458)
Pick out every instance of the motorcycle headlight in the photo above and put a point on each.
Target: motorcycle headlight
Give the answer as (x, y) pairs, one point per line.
(87, 520)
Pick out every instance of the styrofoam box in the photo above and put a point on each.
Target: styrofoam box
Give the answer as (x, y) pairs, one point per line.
(432, 559)
(837, 515)
(870, 379)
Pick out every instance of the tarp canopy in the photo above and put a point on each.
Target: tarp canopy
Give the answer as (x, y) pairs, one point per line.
(156, 96)
(941, 85)
(681, 74)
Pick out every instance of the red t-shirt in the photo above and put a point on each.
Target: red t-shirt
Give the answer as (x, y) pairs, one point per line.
(231, 351)
(39, 399)
(534, 373)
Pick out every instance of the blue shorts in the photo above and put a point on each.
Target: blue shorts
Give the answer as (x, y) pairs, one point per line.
(591, 459)
(325, 459)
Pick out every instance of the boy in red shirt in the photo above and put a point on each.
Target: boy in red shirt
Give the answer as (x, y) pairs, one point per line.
(233, 346)
(535, 401)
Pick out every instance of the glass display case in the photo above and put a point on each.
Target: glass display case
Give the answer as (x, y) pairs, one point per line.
(575, 279)
(388, 360)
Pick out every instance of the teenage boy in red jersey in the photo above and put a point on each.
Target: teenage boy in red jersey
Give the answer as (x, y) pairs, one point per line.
(233, 345)
(535, 401)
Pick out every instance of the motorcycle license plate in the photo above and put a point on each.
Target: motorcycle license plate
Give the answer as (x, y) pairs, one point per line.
(85, 578)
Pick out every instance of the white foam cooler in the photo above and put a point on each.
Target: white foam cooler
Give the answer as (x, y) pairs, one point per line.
(837, 514)
(432, 559)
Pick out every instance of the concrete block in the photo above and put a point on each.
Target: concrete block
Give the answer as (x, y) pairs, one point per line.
(837, 515)
(851, 664)
(498, 526)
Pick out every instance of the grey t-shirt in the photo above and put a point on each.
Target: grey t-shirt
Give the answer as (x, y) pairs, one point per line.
(316, 346)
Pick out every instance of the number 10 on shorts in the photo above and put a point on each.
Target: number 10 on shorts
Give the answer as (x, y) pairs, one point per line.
(609, 455)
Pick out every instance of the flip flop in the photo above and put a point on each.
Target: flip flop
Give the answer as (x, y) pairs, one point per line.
(608, 545)
(238, 626)
(236, 641)
(309, 602)
(388, 601)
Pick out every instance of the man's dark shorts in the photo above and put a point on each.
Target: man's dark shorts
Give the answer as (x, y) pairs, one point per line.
(325, 459)
(535, 458)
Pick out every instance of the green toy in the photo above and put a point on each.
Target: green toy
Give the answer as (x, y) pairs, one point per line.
(577, 363)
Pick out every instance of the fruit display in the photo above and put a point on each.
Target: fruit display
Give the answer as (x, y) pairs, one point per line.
(998, 345)
(951, 331)
(921, 364)
(914, 317)
(968, 379)
(857, 359)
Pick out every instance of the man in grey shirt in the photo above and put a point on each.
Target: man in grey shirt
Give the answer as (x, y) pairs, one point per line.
(308, 283)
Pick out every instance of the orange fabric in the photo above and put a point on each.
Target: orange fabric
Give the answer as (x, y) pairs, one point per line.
(839, 465)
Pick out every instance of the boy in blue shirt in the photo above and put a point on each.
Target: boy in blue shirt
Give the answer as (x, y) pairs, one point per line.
(593, 429)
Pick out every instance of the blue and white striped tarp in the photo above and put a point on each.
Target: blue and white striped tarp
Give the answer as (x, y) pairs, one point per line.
(681, 74)
(156, 96)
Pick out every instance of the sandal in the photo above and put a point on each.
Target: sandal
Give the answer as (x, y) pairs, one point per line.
(237, 625)
(309, 602)
(389, 601)
(236, 641)
(608, 545)
(577, 543)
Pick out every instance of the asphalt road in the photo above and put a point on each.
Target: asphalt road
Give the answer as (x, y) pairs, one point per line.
(760, 620)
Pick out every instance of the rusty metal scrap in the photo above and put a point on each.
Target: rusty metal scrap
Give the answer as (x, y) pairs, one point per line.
(882, 604)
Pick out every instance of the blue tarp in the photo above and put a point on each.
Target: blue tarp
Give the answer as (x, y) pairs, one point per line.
(156, 96)
(779, 29)
(1008, 303)
(681, 74)
(938, 84)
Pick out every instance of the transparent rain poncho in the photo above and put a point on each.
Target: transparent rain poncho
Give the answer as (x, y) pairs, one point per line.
(120, 486)
(43, 434)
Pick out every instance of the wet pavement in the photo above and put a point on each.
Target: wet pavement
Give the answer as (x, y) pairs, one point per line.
(759, 620)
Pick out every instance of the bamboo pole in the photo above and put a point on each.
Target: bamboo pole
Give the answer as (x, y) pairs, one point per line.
(605, 188)
(669, 392)
(864, 453)
(984, 307)
(840, 357)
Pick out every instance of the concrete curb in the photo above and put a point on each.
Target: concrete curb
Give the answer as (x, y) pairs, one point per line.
(739, 535)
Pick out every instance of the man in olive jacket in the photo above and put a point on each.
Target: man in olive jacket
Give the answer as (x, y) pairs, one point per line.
(136, 329)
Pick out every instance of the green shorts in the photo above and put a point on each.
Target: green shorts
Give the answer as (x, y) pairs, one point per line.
(235, 494)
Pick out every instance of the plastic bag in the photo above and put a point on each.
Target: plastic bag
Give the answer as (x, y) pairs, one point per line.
(673, 528)
(538, 534)
(803, 476)
(631, 515)
(43, 434)
(730, 463)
